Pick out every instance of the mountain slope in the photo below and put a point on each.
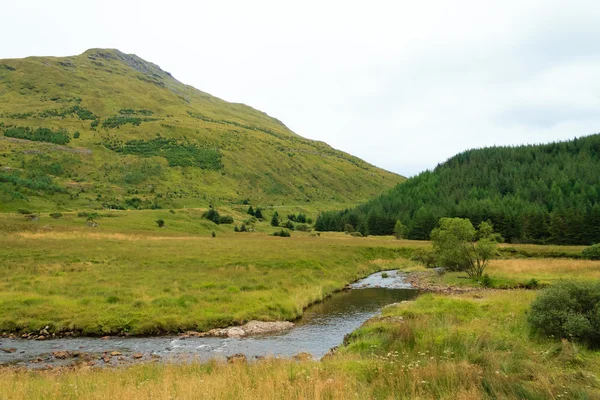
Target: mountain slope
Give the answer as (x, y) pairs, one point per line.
(534, 194)
(109, 129)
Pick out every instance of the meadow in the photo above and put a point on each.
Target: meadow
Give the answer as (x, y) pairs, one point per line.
(106, 280)
(129, 276)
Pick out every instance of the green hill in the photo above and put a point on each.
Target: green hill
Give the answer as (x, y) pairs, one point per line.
(108, 129)
(532, 194)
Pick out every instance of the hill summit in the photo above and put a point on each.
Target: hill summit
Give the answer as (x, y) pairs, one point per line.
(109, 129)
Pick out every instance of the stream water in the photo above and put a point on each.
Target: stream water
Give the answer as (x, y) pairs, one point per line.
(322, 327)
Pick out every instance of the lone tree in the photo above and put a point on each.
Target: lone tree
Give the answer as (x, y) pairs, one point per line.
(275, 220)
(460, 247)
(399, 230)
(160, 222)
(258, 213)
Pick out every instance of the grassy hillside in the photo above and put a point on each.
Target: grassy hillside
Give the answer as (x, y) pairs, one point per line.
(532, 194)
(108, 129)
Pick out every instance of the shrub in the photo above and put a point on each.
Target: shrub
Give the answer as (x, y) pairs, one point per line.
(76, 135)
(348, 228)
(532, 284)
(592, 252)
(486, 281)
(23, 211)
(56, 215)
(178, 154)
(212, 215)
(258, 213)
(213, 234)
(275, 219)
(385, 275)
(225, 219)
(356, 234)
(303, 227)
(89, 216)
(570, 310)
(160, 222)
(39, 135)
(289, 225)
(250, 211)
(301, 218)
(425, 257)
(282, 233)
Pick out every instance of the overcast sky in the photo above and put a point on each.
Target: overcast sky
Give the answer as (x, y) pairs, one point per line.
(401, 84)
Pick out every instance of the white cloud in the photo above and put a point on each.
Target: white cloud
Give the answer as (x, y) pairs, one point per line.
(404, 85)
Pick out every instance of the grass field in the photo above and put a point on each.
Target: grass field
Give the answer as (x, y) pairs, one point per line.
(106, 280)
(475, 346)
(129, 276)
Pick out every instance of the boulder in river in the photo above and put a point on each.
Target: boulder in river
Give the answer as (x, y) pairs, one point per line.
(237, 358)
(252, 328)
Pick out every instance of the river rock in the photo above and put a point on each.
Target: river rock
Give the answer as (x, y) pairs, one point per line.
(237, 358)
(258, 327)
(115, 353)
(8, 350)
(251, 328)
(137, 356)
(62, 355)
(303, 356)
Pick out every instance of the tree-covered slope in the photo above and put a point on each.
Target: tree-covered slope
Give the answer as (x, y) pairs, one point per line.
(534, 194)
(108, 129)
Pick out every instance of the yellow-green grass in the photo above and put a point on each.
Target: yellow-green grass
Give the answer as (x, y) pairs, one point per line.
(101, 281)
(475, 346)
(511, 273)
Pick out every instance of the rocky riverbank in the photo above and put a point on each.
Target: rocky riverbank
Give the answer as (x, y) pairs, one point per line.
(426, 282)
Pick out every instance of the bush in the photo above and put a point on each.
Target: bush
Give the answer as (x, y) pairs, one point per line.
(275, 219)
(356, 234)
(39, 135)
(532, 284)
(282, 233)
(570, 310)
(225, 219)
(348, 228)
(23, 211)
(160, 222)
(83, 214)
(592, 252)
(56, 215)
(425, 257)
(212, 215)
(289, 225)
(303, 227)
(486, 281)
(76, 135)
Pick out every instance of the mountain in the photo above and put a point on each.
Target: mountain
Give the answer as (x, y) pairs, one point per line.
(108, 129)
(532, 194)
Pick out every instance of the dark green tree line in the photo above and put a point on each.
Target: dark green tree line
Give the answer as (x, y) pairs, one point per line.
(531, 194)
